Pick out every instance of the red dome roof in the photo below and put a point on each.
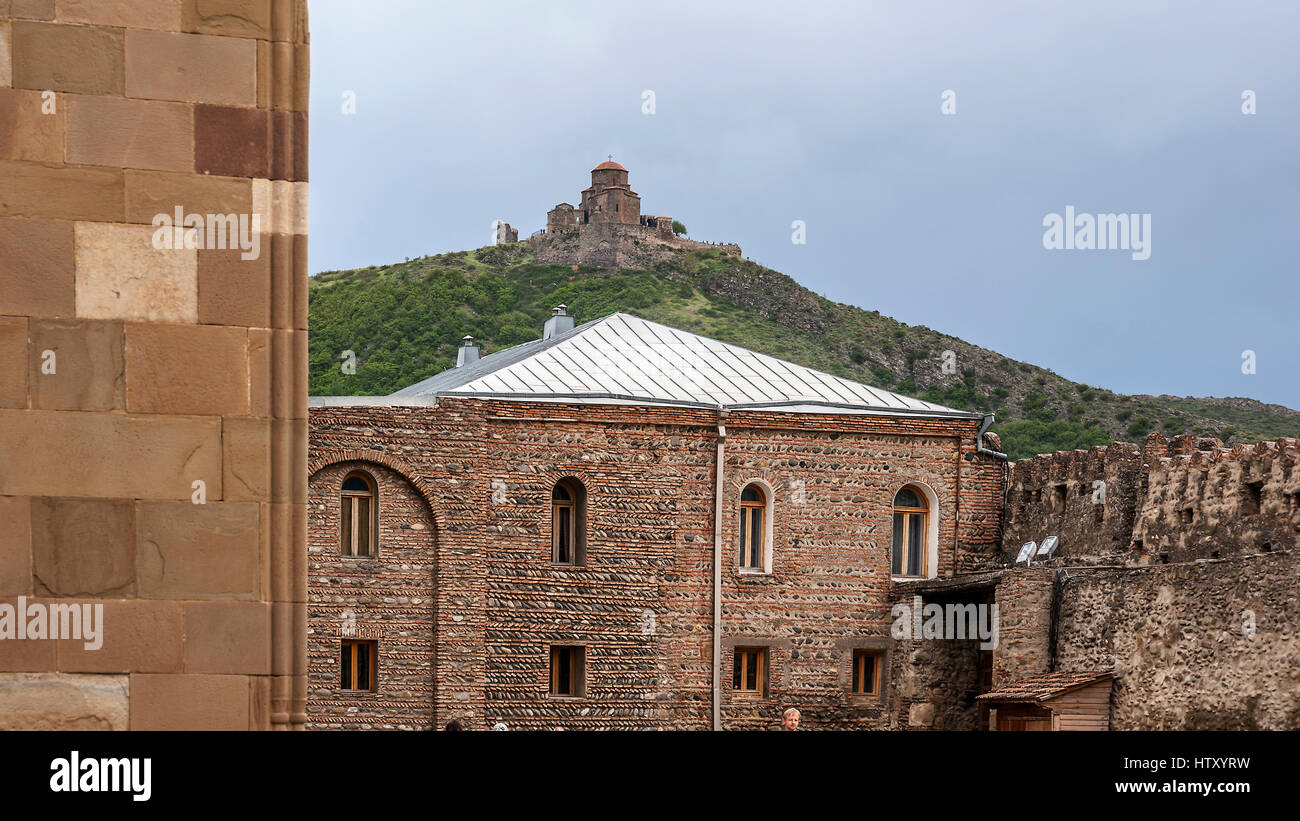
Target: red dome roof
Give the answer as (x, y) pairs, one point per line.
(609, 164)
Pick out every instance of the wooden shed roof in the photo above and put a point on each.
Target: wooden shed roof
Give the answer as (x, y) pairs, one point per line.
(1046, 686)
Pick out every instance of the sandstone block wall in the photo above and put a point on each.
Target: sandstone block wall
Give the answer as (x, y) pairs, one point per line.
(138, 380)
(642, 604)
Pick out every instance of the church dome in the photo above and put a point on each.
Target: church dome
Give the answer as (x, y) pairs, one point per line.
(608, 164)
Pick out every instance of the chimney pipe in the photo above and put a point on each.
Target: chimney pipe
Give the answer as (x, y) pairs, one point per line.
(468, 353)
(559, 322)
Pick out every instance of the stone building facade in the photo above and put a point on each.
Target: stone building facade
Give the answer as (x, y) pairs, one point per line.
(465, 487)
(1184, 618)
(153, 398)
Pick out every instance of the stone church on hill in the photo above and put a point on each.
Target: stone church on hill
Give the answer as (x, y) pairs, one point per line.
(621, 525)
(607, 228)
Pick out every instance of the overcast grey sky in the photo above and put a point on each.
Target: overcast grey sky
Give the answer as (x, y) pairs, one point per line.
(830, 113)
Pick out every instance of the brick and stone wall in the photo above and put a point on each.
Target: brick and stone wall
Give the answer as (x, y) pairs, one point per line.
(153, 405)
(642, 604)
(390, 592)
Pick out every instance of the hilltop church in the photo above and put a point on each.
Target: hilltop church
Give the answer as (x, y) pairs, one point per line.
(607, 228)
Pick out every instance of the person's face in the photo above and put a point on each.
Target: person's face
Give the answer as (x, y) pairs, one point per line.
(791, 721)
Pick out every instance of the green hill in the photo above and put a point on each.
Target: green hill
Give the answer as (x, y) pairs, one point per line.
(404, 322)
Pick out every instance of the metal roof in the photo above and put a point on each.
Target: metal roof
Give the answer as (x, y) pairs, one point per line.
(623, 358)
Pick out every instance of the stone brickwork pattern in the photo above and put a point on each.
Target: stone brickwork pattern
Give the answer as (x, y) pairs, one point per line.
(641, 606)
(140, 380)
(391, 592)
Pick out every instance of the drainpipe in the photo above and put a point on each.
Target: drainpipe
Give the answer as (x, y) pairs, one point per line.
(717, 570)
(1006, 481)
(979, 439)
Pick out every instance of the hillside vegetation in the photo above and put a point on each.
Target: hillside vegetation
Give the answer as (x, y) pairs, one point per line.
(404, 321)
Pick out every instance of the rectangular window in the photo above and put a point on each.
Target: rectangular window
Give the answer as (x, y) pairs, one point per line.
(908, 554)
(915, 538)
(866, 672)
(751, 536)
(357, 665)
(568, 671)
(355, 525)
(563, 534)
(749, 673)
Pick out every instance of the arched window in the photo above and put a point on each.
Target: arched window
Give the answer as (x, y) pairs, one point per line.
(568, 522)
(753, 527)
(910, 530)
(359, 515)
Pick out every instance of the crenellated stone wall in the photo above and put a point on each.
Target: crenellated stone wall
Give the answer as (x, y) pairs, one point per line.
(1182, 577)
(1164, 501)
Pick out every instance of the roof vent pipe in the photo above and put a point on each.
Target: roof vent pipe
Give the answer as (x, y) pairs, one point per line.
(559, 322)
(468, 353)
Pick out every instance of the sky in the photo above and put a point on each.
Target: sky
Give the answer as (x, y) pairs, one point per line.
(833, 114)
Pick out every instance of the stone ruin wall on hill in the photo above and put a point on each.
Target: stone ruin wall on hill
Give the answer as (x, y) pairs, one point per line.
(614, 245)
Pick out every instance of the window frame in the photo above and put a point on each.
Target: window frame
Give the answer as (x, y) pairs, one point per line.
(877, 663)
(740, 665)
(372, 646)
(577, 509)
(766, 519)
(906, 548)
(577, 683)
(348, 498)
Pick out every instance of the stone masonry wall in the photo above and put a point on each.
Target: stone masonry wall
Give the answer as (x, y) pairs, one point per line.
(1089, 499)
(1183, 581)
(1208, 645)
(642, 604)
(614, 245)
(1206, 501)
(1168, 500)
(153, 402)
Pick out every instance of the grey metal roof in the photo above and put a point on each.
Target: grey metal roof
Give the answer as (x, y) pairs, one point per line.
(623, 358)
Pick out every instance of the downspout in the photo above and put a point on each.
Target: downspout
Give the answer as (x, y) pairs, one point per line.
(1006, 482)
(979, 439)
(717, 570)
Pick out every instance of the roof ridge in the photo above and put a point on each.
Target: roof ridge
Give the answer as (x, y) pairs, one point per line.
(665, 365)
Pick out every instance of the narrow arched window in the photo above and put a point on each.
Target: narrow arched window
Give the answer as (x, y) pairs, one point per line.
(359, 515)
(568, 522)
(753, 521)
(910, 528)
